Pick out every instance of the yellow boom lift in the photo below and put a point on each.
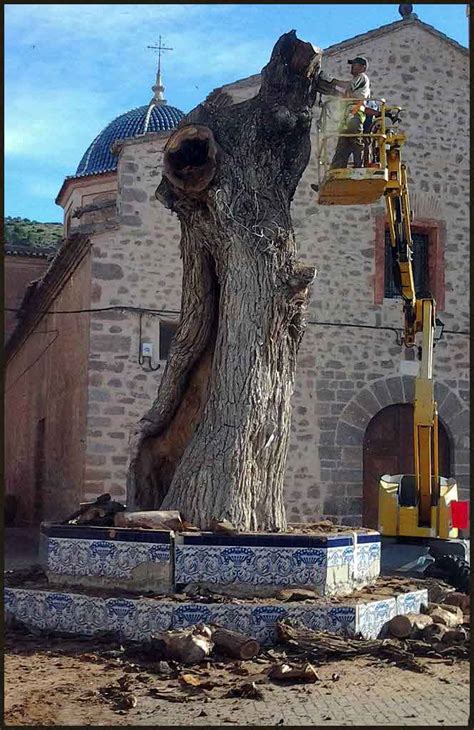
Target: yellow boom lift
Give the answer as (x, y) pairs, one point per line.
(411, 507)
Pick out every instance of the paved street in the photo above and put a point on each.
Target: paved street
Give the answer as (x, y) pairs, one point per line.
(68, 683)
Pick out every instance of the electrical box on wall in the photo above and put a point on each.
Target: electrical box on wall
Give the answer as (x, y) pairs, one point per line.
(147, 349)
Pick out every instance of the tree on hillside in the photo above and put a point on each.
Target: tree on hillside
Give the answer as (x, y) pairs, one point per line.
(214, 443)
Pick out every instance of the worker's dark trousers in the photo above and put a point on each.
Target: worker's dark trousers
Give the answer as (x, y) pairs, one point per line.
(349, 145)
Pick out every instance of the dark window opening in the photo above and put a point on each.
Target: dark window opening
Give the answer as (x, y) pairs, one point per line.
(167, 332)
(420, 266)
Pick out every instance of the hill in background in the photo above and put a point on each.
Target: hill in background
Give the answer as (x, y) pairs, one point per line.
(21, 232)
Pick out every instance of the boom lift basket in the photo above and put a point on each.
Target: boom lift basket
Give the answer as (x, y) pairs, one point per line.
(350, 185)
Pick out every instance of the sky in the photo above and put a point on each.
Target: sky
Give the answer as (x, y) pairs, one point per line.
(71, 69)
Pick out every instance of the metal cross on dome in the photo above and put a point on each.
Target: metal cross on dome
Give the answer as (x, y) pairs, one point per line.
(159, 48)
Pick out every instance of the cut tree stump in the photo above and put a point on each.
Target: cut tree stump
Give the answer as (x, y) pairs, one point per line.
(214, 443)
(408, 625)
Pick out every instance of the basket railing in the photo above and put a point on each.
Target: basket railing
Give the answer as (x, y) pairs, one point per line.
(324, 138)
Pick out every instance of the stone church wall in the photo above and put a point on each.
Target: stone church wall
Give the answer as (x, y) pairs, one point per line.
(345, 375)
(136, 265)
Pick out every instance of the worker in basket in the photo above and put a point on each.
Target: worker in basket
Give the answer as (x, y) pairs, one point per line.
(373, 125)
(354, 115)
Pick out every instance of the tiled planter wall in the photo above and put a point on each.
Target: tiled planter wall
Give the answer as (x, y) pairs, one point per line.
(135, 560)
(263, 564)
(159, 561)
(138, 618)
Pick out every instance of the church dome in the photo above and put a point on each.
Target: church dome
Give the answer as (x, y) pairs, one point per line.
(154, 117)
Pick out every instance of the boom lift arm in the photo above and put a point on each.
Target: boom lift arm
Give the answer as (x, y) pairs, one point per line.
(411, 508)
(420, 317)
(419, 505)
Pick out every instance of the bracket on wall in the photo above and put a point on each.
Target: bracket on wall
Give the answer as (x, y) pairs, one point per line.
(144, 359)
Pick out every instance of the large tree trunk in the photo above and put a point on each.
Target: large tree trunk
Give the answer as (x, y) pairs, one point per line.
(214, 444)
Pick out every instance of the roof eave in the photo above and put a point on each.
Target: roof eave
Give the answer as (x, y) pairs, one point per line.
(388, 28)
(68, 181)
(355, 40)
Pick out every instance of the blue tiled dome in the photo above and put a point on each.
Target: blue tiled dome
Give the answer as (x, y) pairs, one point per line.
(149, 118)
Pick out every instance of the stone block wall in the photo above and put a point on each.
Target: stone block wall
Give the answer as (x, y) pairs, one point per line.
(345, 375)
(136, 265)
(354, 373)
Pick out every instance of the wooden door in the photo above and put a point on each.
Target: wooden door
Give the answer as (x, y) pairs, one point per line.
(388, 449)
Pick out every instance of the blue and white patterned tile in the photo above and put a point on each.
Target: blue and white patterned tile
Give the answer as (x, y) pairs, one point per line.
(61, 611)
(342, 620)
(337, 556)
(310, 616)
(412, 602)
(336, 619)
(137, 619)
(68, 556)
(372, 617)
(121, 616)
(263, 620)
(249, 565)
(152, 617)
(89, 614)
(235, 617)
(104, 558)
(29, 607)
(367, 563)
(10, 600)
(191, 614)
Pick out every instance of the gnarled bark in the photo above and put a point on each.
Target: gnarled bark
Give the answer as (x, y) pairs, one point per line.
(214, 443)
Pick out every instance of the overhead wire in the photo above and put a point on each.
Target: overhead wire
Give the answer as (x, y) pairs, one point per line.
(42, 332)
(146, 310)
(159, 312)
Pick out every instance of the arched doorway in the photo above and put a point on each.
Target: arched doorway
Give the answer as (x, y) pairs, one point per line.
(388, 449)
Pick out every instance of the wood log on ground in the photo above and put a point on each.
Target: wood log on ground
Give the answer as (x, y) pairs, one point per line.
(235, 644)
(154, 519)
(408, 625)
(450, 616)
(454, 636)
(457, 599)
(319, 646)
(434, 633)
(286, 673)
(455, 610)
(187, 646)
(214, 443)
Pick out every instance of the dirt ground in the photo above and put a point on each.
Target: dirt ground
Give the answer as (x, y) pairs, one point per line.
(53, 681)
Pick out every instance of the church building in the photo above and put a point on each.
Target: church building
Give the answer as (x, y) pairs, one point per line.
(85, 359)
